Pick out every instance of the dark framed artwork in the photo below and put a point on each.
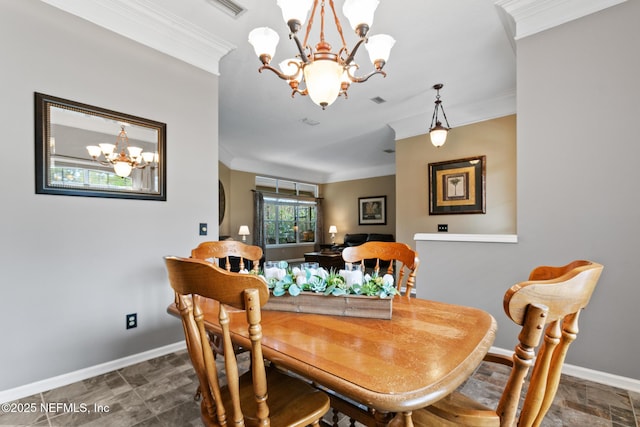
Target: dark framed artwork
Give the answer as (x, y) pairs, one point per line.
(457, 186)
(372, 210)
(66, 131)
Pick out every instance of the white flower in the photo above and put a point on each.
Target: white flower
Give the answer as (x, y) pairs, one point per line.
(301, 280)
(281, 273)
(245, 271)
(275, 272)
(322, 273)
(387, 279)
(296, 271)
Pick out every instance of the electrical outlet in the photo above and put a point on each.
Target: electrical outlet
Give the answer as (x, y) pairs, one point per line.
(203, 228)
(443, 228)
(132, 320)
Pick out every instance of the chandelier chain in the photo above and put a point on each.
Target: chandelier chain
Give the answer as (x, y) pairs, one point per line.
(310, 23)
(338, 25)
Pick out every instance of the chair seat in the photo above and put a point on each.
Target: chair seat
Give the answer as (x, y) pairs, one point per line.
(292, 402)
(456, 410)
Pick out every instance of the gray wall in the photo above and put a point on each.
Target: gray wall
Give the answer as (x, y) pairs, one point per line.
(72, 267)
(577, 156)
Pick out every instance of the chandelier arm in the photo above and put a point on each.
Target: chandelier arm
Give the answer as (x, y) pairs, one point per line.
(303, 56)
(365, 78)
(310, 24)
(301, 92)
(353, 52)
(277, 72)
(102, 162)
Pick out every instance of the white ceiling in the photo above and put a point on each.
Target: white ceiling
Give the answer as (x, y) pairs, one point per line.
(468, 45)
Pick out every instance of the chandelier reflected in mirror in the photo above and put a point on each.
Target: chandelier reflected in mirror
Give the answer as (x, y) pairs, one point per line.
(116, 156)
(326, 75)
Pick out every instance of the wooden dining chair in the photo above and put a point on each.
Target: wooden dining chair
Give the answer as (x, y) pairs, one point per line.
(244, 400)
(405, 259)
(228, 251)
(224, 253)
(548, 303)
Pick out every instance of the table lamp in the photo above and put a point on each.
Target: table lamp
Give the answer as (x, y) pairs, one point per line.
(333, 230)
(244, 232)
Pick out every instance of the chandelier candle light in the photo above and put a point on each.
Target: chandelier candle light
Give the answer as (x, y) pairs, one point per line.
(115, 155)
(437, 132)
(326, 74)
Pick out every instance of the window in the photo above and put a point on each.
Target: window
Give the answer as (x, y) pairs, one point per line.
(290, 212)
(79, 177)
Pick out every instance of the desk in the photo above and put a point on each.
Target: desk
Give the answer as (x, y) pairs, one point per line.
(419, 356)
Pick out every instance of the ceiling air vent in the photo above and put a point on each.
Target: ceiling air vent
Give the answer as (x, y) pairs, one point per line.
(379, 100)
(228, 6)
(310, 122)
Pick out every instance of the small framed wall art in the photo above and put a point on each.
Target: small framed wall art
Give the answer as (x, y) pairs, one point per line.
(372, 210)
(457, 186)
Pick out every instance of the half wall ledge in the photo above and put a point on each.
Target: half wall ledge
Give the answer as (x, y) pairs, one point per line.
(483, 238)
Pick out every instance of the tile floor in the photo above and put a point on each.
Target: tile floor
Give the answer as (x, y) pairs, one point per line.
(159, 392)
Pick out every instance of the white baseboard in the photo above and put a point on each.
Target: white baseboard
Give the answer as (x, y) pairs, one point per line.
(589, 374)
(83, 374)
(92, 371)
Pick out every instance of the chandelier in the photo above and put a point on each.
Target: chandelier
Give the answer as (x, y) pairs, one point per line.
(437, 132)
(326, 74)
(114, 155)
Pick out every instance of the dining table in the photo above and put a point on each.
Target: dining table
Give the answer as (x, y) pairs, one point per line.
(373, 368)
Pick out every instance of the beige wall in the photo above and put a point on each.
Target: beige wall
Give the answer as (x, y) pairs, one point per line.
(496, 139)
(341, 205)
(240, 200)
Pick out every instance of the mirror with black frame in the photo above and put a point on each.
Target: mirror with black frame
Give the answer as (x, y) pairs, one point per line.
(82, 150)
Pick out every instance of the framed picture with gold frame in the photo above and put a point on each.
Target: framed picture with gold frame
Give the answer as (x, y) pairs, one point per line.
(457, 186)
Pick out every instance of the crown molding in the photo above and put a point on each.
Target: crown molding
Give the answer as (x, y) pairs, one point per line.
(154, 27)
(465, 114)
(534, 16)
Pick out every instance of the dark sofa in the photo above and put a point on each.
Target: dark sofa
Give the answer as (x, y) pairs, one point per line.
(357, 239)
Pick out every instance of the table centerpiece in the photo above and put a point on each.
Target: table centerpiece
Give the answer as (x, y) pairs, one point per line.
(312, 289)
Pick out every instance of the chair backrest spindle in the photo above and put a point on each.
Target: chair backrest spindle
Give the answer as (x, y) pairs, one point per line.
(406, 259)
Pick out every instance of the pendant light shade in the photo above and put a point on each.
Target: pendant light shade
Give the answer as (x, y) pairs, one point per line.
(264, 41)
(379, 48)
(295, 10)
(360, 12)
(323, 78)
(438, 135)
